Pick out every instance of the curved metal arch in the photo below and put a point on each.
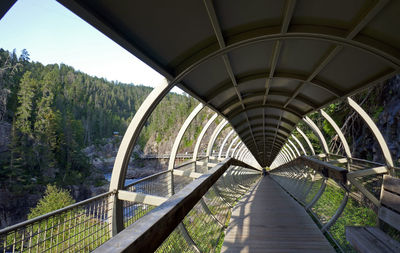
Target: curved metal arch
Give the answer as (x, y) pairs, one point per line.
(230, 146)
(221, 149)
(250, 76)
(274, 148)
(201, 135)
(338, 131)
(236, 147)
(244, 137)
(252, 106)
(180, 134)
(126, 147)
(274, 117)
(214, 136)
(375, 131)
(255, 126)
(299, 143)
(284, 158)
(239, 153)
(285, 152)
(322, 36)
(246, 155)
(291, 151)
(294, 146)
(236, 103)
(247, 138)
(306, 139)
(318, 133)
(266, 143)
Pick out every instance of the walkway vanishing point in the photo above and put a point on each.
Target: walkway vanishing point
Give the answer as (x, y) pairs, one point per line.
(262, 67)
(267, 219)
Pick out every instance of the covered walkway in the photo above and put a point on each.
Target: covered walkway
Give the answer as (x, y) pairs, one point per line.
(277, 224)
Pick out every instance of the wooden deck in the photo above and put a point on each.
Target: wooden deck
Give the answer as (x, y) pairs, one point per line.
(269, 220)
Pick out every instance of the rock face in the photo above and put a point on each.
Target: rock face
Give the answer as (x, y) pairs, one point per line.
(387, 100)
(5, 133)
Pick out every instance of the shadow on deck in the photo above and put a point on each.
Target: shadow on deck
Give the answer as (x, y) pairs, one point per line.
(267, 219)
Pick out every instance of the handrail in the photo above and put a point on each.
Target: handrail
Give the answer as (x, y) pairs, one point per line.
(190, 162)
(147, 178)
(168, 215)
(326, 169)
(58, 211)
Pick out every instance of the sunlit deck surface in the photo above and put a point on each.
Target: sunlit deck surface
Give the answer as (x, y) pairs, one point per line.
(277, 224)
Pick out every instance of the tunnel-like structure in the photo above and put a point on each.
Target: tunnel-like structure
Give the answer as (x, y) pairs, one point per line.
(262, 67)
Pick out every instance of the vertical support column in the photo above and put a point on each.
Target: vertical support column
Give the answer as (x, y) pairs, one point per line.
(202, 133)
(375, 131)
(125, 150)
(316, 130)
(338, 131)
(224, 142)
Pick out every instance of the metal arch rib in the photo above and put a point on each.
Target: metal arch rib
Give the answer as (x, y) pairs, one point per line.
(317, 132)
(201, 135)
(307, 140)
(338, 131)
(214, 136)
(378, 135)
(221, 149)
(180, 134)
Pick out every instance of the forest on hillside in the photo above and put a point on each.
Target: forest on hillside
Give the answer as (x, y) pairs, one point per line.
(54, 112)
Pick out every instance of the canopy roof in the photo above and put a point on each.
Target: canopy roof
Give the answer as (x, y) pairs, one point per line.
(262, 64)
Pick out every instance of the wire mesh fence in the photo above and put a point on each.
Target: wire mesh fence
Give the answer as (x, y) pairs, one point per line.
(84, 226)
(304, 184)
(77, 228)
(202, 229)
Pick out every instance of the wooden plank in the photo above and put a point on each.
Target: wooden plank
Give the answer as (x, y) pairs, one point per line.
(269, 220)
(391, 200)
(391, 183)
(390, 217)
(365, 242)
(385, 238)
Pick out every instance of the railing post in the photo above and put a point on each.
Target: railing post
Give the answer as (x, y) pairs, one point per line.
(338, 212)
(318, 195)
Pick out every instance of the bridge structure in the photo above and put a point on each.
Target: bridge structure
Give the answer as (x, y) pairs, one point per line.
(262, 67)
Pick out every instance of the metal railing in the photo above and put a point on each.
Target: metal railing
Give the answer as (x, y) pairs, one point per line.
(84, 226)
(192, 220)
(334, 196)
(79, 227)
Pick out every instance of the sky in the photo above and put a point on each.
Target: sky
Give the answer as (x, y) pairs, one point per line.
(53, 34)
